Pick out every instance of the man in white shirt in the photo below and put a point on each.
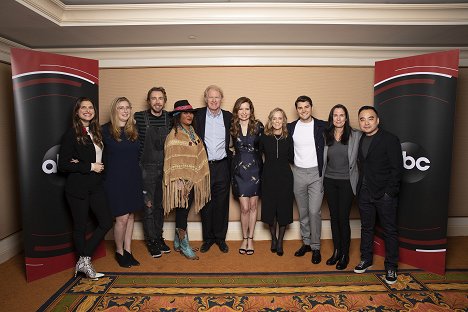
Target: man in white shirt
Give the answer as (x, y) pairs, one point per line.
(307, 134)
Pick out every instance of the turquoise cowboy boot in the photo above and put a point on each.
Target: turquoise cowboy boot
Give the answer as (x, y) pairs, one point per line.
(185, 248)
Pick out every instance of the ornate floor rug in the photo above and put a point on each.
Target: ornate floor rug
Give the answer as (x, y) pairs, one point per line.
(300, 291)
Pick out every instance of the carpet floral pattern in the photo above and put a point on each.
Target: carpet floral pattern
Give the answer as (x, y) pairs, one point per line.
(300, 291)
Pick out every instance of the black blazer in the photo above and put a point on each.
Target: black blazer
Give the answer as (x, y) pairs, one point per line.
(80, 180)
(383, 166)
(319, 127)
(200, 123)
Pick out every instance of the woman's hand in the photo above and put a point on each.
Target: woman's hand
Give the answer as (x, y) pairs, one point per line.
(97, 167)
(75, 161)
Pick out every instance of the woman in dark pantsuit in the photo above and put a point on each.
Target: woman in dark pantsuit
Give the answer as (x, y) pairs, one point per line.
(81, 157)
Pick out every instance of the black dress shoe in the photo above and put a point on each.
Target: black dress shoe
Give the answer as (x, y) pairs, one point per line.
(206, 246)
(222, 246)
(343, 262)
(316, 256)
(334, 258)
(122, 260)
(302, 251)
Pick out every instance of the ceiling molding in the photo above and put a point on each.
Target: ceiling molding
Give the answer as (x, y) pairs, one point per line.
(5, 46)
(283, 55)
(250, 13)
(279, 55)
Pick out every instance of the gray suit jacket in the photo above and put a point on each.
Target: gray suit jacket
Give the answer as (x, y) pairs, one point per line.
(353, 148)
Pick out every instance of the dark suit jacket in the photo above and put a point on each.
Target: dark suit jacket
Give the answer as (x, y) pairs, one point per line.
(200, 123)
(319, 127)
(81, 180)
(383, 165)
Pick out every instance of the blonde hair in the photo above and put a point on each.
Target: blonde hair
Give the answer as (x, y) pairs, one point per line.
(269, 127)
(130, 128)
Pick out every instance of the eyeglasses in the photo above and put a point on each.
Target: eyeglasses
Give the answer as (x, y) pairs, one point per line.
(123, 108)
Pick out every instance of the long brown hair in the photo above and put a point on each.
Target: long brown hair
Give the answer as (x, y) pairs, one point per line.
(269, 127)
(130, 128)
(94, 127)
(235, 125)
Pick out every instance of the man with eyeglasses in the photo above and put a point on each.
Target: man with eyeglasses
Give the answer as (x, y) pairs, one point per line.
(153, 126)
(212, 125)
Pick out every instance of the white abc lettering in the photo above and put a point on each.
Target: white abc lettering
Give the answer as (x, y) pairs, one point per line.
(422, 160)
(49, 166)
(422, 163)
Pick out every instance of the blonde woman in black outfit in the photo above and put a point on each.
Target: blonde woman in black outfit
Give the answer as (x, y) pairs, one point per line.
(81, 157)
(277, 178)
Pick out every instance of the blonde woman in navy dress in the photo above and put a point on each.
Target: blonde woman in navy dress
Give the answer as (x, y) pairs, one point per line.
(123, 181)
(247, 163)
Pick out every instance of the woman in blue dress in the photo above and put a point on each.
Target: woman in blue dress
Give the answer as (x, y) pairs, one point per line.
(247, 167)
(123, 182)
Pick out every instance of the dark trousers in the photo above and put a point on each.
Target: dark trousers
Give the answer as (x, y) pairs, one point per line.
(153, 217)
(340, 198)
(97, 203)
(386, 209)
(215, 213)
(182, 214)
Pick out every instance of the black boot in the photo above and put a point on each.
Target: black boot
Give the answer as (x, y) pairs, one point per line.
(343, 262)
(123, 260)
(334, 258)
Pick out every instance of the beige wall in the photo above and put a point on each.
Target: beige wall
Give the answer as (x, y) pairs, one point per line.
(9, 204)
(269, 87)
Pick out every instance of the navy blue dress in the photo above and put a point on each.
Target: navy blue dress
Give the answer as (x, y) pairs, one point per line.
(247, 164)
(123, 181)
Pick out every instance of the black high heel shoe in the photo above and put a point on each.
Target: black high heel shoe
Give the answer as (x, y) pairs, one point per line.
(274, 244)
(243, 251)
(249, 251)
(279, 249)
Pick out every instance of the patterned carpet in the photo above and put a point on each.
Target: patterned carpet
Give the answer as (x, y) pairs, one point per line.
(300, 291)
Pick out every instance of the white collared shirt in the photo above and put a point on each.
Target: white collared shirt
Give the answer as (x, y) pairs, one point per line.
(215, 136)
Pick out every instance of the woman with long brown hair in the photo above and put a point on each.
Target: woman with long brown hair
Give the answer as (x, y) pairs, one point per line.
(340, 177)
(81, 157)
(247, 163)
(123, 181)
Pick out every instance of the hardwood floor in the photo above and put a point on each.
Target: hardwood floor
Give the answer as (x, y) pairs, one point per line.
(18, 295)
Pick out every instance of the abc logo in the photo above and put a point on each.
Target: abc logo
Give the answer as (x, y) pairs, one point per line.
(415, 162)
(50, 165)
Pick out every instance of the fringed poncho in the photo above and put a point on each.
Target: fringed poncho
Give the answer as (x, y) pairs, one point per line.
(185, 168)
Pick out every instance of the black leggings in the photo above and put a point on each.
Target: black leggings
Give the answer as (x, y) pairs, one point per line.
(97, 203)
(340, 198)
(182, 214)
